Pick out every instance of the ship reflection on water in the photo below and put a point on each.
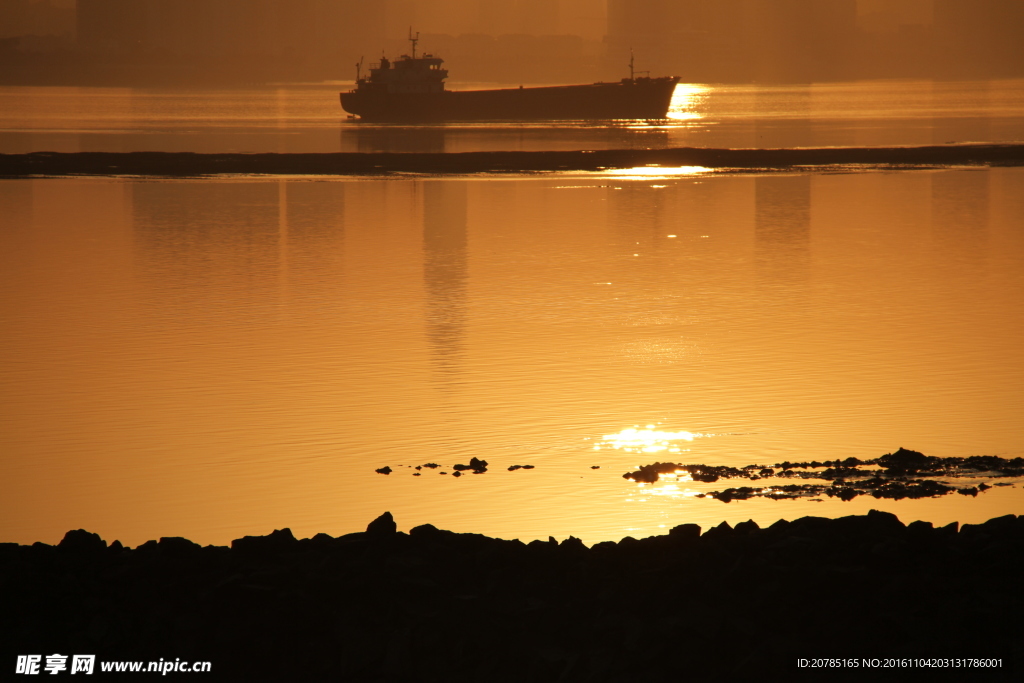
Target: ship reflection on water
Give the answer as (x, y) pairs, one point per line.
(355, 136)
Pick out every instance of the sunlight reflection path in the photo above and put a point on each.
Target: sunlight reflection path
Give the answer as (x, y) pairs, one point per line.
(647, 440)
(685, 99)
(652, 440)
(655, 172)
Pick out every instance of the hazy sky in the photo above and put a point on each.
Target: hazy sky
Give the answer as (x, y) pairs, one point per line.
(515, 40)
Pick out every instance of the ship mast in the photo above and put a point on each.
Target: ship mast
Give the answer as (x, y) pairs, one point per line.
(414, 41)
(632, 73)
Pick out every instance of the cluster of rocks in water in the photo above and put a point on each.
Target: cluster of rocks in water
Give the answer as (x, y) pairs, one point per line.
(476, 466)
(898, 475)
(731, 603)
(902, 474)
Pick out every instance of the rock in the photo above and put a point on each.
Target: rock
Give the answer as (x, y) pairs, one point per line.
(866, 582)
(685, 532)
(572, 544)
(920, 528)
(973, 532)
(649, 474)
(148, 548)
(794, 545)
(813, 527)
(846, 493)
(905, 461)
(280, 540)
(322, 540)
(383, 525)
(731, 494)
(478, 466)
(746, 528)
(425, 531)
(715, 533)
(384, 470)
(82, 542)
(920, 533)
(885, 521)
(175, 546)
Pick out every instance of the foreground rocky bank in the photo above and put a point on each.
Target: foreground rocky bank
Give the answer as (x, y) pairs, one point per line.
(187, 164)
(432, 605)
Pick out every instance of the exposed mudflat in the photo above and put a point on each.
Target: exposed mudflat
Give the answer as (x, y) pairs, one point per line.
(731, 603)
(188, 164)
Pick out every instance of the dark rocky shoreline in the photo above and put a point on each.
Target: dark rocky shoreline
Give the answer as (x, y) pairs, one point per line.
(190, 164)
(432, 605)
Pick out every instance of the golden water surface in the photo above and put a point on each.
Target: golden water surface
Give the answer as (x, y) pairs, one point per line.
(216, 358)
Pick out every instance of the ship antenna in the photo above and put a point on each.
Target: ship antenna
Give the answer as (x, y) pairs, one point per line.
(631, 64)
(359, 68)
(414, 41)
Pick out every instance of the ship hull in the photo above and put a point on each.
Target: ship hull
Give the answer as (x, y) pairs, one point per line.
(643, 98)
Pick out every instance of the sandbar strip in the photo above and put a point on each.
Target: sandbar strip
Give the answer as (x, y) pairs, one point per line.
(189, 164)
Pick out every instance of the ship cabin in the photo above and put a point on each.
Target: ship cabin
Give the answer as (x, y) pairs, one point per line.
(406, 75)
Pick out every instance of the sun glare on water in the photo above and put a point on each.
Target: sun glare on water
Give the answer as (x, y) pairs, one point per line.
(654, 172)
(645, 440)
(687, 99)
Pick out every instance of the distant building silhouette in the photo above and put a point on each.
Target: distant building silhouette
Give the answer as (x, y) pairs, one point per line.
(446, 270)
(730, 40)
(20, 18)
(512, 41)
(893, 16)
(980, 38)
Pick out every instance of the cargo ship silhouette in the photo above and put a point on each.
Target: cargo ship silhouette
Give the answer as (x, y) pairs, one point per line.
(412, 89)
